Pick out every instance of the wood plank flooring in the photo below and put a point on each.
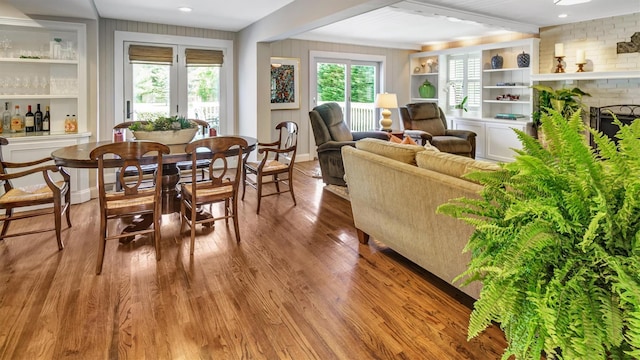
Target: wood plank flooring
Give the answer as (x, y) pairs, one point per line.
(298, 286)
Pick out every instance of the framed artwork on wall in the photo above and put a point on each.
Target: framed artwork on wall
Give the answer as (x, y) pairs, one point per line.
(285, 83)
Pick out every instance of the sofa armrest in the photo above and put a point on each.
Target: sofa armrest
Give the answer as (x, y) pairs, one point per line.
(382, 135)
(334, 145)
(463, 134)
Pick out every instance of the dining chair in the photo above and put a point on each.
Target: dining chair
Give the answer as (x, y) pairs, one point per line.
(221, 183)
(54, 191)
(279, 157)
(132, 199)
(202, 164)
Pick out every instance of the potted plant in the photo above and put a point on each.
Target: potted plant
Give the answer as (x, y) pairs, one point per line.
(565, 101)
(461, 106)
(556, 244)
(168, 130)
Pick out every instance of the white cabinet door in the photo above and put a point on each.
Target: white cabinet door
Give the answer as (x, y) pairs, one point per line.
(501, 140)
(478, 127)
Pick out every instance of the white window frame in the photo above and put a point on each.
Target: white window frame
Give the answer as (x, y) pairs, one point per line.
(227, 86)
(466, 80)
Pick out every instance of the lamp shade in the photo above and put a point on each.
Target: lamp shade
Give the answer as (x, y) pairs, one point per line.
(386, 101)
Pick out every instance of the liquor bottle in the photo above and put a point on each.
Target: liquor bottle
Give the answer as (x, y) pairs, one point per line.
(29, 121)
(6, 117)
(46, 119)
(38, 118)
(16, 121)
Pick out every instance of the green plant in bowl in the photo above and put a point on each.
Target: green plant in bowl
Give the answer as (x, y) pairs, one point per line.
(163, 123)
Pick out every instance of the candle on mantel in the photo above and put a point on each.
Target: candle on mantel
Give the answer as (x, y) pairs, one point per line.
(559, 50)
(580, 59)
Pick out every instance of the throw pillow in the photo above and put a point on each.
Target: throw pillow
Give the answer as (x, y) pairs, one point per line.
(408, 140)
(394, 139)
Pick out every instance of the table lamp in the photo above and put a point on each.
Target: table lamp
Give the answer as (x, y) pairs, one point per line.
(386, 101)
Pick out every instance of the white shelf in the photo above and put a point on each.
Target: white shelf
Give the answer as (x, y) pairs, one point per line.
(38, 61)
(507, 69)
(506, 87)
(424, 100)
(422, 74)
(506, 102)
(603, 75)
(38, 97)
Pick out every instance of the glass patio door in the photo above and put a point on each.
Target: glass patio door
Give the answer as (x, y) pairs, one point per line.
(351, 84)
(169, 79)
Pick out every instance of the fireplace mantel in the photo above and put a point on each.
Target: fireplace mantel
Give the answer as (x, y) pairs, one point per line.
(595, 75)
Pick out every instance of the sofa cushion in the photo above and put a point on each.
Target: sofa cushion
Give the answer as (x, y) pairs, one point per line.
(400, 152)
(452, 165)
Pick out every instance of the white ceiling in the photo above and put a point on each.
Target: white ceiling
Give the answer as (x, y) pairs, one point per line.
(406, 24)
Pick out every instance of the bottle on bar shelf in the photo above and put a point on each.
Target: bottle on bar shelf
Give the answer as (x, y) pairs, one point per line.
(46, 119)
(17, 124)
(6, 117)
(38, 118)
(29, 121)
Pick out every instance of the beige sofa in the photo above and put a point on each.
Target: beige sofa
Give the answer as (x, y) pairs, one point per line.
(395, 190)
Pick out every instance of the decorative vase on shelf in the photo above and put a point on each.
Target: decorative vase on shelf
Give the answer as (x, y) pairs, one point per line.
(523, 60)
(427, 90)
(496, 62)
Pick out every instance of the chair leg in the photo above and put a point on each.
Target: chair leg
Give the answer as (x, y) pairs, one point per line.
(156, 233)
(192, 224)
(57, 215)
(290, 181)
(244, 182)
(226, 211)
(236, 226)
(259, 188)
(277, 182)
(5, 223)
(101, 245)
(67, 202)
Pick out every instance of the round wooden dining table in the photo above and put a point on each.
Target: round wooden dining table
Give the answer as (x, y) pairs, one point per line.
(77, 156)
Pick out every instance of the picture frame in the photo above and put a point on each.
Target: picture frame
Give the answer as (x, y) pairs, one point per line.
(285, 83)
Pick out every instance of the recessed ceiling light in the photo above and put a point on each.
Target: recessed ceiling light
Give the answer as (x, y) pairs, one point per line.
(562, 16)
(569, 2)
(185, 9)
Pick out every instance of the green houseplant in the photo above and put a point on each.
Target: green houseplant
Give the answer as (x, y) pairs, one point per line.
(557, 245)
(462, 105)
(168, 130)
(566, 101)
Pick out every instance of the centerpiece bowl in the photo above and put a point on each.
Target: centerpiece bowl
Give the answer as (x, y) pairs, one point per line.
(166, 130)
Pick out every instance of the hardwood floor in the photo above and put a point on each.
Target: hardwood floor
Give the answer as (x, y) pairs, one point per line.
(298, 286)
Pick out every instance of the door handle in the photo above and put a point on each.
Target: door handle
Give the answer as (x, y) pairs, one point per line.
(128, 110)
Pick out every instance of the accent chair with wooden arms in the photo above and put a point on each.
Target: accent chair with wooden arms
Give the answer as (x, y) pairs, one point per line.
(132, 200)
(331, 133)
(221, 185)
(426, 122)
(51, 192)
(278, 159)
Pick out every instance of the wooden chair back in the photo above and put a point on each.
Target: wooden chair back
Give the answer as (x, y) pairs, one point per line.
(132, 198)
(221, 183)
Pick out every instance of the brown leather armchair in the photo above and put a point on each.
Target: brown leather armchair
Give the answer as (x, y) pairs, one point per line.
(427, 122)
(331, 133)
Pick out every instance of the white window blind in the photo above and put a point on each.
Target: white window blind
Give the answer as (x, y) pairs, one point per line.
(464, 80)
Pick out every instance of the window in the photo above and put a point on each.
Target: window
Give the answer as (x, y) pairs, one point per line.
(463, 79)
(173, 75)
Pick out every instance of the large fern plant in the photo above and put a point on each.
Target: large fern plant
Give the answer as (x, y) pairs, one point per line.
(557, 245)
